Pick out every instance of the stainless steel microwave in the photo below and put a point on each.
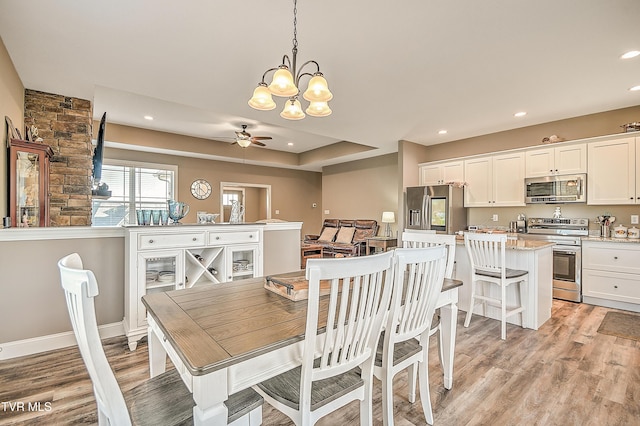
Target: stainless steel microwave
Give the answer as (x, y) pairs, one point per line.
(556, 189)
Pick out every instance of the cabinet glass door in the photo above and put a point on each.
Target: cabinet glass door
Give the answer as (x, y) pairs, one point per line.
(241, 262)
(27, 189)
(157, 272)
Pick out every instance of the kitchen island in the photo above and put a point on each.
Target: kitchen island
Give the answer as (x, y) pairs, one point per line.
(536, 257)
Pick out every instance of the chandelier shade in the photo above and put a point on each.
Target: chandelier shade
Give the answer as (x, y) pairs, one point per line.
(286, 83)
(244, 142)
(262, 99)
(292, 110)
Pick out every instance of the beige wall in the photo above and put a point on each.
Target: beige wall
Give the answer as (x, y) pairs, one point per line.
(292, 191)
(361, 189)
(12, 106)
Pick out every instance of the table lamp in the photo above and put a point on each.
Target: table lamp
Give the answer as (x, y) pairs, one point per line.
(388, 218)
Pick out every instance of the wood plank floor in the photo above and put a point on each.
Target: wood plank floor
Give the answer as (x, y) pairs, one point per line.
(563, 374)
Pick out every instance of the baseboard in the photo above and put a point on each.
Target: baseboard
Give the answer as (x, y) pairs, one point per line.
(53, 341)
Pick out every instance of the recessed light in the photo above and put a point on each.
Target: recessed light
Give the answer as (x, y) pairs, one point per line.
(290, 144)
(520, 114)
(442, 132)
(635, 88)
(630, 54)
(148, 117)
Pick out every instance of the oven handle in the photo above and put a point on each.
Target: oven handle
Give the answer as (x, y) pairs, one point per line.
(566, 250)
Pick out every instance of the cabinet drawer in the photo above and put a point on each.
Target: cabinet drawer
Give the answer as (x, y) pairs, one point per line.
(237, 237)
(611, 285)
(622, 258)
(156, 241)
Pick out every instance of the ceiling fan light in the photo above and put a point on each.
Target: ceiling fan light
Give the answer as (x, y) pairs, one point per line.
(282, 83)
(318, 109)
(292, 110)
(318, 90)
(244, 142)
(261, 99)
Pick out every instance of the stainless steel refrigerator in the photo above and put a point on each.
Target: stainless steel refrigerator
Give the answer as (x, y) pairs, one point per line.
(439, 207)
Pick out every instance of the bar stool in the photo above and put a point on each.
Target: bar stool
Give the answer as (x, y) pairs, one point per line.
(487, 256)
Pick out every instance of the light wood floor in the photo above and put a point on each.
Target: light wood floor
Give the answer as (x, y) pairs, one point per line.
(563, 374)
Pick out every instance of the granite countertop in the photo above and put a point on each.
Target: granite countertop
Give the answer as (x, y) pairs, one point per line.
(611, 240)
(515, 244)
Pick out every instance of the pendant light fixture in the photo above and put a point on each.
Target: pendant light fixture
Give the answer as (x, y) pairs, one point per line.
(284, 84)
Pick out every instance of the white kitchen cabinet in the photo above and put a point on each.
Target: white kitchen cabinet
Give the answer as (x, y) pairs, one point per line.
(494, 181)
(560, 160)
(612, 176)
(611, 274)
(441, 173)
(167, 258)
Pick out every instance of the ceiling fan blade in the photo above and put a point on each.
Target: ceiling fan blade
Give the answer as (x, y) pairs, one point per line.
(261, 138)
(257, 142)
(234, 142)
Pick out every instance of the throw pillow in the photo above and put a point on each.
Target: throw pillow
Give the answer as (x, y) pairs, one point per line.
(327, 235)
(345, 235)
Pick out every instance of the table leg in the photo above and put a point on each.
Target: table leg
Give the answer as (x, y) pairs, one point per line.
(157, 354)
(448, 323)
(209, 394)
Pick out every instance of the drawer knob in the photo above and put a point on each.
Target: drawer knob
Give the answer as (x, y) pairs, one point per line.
(615, 257)
(217, 238)
(615, 286)
(195, 239)
(150, 241)
(250, 236)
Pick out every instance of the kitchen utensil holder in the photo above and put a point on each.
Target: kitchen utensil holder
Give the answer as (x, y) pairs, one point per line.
(604, 231)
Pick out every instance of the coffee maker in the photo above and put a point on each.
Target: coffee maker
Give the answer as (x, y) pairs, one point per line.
(519, 225)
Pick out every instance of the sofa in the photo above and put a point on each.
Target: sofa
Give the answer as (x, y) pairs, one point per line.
(344, 237)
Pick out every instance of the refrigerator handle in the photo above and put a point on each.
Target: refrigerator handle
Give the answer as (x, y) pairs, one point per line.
(425, 213)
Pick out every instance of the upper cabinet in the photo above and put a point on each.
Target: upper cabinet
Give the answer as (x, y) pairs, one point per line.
(612, 176)
(441, 173)
(560, 160)
(496, 180)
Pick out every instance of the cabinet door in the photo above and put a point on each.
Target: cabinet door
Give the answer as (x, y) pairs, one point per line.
(431, 174)
(478, 173)
(453, 172)
(539, 162)
(508, 180)
(242, 261)
(158, 271)
(612, 172)
(570, 159)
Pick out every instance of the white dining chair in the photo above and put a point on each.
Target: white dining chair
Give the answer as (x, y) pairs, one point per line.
(162, 400)
(405, 343)
(487, 254)
(337, 365)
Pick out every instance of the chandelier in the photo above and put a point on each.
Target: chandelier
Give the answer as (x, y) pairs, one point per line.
(286, 83)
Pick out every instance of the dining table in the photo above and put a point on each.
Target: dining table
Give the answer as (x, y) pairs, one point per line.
(223, 338)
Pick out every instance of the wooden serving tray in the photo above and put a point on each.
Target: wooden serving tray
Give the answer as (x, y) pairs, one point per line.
(293, 286)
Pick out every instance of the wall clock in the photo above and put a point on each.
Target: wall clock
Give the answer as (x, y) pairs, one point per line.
(200, 189)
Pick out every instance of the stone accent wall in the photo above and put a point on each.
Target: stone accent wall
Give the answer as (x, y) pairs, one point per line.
(65, 125)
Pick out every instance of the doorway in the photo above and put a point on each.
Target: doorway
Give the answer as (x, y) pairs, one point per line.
(255, 198)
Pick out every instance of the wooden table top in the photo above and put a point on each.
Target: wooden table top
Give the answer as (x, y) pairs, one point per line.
(213, 326)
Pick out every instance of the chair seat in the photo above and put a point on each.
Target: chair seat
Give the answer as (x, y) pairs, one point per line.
(509, 273)
(285, 388)
(401, 350)
(165, 400)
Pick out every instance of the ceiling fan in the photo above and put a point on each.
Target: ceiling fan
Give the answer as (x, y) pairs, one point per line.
(244, 138)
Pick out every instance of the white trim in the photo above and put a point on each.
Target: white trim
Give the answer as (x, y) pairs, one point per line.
(53, 341)
(60, 233)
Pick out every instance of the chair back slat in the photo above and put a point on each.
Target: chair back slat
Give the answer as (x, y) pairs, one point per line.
(418, 283)
(421, 239)
(360, 291)
(487, 252)
(80, 287)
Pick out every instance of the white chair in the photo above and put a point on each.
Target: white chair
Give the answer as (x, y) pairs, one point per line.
(354, 310)
(406, 336)
(487, 254)
(162, 400)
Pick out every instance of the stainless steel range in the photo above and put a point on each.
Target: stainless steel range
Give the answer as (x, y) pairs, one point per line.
(567, 257)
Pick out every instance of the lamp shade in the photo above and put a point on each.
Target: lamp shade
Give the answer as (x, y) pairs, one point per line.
(292, 110)
(388, 217)
(282, 83)
(244, 142)
(262, 99)
(318, 90)
(318, 109)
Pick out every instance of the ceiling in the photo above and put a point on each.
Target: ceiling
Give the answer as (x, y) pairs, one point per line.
(398, 71)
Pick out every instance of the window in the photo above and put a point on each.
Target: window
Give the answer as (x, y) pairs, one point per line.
(133, 186)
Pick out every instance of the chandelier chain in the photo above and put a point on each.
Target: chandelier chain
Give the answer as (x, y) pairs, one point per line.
(295, 22)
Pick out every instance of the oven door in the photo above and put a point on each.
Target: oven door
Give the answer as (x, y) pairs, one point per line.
(566, 273)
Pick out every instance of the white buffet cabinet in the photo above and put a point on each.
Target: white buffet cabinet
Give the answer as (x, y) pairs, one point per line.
(162, 258)
(611, 273)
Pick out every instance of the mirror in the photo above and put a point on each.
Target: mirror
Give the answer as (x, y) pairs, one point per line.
(255, 198)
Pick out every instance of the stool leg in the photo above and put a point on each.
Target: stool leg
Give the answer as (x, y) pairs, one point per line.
(503, 312)
(467, 319)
